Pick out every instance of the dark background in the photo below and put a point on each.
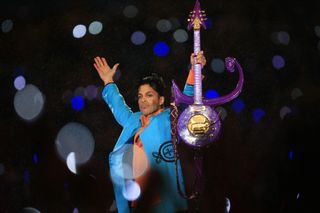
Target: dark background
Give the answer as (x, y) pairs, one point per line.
(251, 163)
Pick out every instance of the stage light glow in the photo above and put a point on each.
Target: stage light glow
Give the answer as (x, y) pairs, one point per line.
(138, 38)
(71, 162)
(258, 114)
(35, 158)
(284, 111)
(19, 82)
(29, 102)
(131, 190)
(164, 25)
(280, 37)
(77, 103)
(7, 25)
(217, 65)
(278, 62)
(79, 91)
(91, 92)
(30, 210)
(228, 205)
(130, 11)
(79, 31)
(26, 176)
(238, 105)
(222, 112)
(75, 210)
(180, 36)
(317, 31)
(161, 49)
(95, 28)
(211, 93)
(76, 138)
(296, 93)
(290, 155)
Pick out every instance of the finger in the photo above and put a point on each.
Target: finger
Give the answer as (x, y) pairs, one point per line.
(99, 62)
(97, 67)
(96, 59)
(104, 62)
(115, 67)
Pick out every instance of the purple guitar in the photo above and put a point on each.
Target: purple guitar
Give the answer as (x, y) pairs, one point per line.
(199, 124)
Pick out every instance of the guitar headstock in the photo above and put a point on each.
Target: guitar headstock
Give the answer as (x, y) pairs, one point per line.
(197, 18)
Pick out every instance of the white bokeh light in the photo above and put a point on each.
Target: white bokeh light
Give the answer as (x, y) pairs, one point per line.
(130, 11)
(79, 31)
(95, 27)
(19, 82)
(76, 138)
(180, 35)
(7, 25)
(131, 190)
(138, 38)
(29, 102)
(71, 162)
(164, 25)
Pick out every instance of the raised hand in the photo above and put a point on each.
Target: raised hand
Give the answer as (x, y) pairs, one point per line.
(198, 59)
(105, 72)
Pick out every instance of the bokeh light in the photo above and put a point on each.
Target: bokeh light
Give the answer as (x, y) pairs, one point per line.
(131, 190)
(123, 169)
(228, 205)
(280, 37)
(284, 111)
(35, 158)
(26, 177)
(75, 210)
(258, 114)
(2, 169)
(19, 82)
(29, 102)
(290, 155)
(71, 162)
(130, 11)
(278, 62)
(75, 137)
(222, 112)
(77, 103)
(95, 28)
(296, 93)
(161, 49)
(7, 25)
(180, 36)
(30, 210)
(91, 92)
(317, 31)
(164, 25)
(79, 31)
(211, 93)
(217, 65)
(238, 105)
(79, 91)
(138, 38)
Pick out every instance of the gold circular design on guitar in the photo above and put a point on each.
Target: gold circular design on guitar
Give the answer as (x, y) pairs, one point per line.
(198, 125)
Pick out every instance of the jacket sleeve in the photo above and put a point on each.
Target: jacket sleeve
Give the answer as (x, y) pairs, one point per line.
(188, 87)
(116, 103)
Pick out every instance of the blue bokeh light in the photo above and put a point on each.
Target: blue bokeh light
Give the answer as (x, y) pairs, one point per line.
(258, 114)
(211, 93)
(161, 49)
(77, 103)
(238, 105)
(35, 158)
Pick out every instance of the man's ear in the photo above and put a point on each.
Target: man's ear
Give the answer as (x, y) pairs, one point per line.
(161, 101)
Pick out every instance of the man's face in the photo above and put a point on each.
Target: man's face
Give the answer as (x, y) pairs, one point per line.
(149, 100)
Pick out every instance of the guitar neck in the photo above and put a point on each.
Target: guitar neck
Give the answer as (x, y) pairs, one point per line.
(197, 69)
